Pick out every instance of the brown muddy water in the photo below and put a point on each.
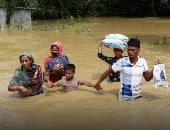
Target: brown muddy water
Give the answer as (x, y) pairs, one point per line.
(85, 109)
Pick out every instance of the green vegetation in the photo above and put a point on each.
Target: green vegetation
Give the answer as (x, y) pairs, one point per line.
(53, 9)
(162, 41)
(77, 25)
(59, 9)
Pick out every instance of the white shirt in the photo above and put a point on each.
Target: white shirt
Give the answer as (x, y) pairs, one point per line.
(130, 77)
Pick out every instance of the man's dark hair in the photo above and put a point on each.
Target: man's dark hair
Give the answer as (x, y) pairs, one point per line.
(70, 67)
(134, 42)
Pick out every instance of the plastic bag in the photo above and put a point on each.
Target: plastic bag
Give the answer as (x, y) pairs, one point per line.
(159, 76)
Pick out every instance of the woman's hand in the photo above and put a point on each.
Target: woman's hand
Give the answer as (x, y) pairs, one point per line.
(49, 84)
(23, 89)
(58, 68)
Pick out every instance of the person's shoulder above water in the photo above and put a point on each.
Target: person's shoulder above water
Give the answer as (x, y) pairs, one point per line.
(28, 78)
(52, 65)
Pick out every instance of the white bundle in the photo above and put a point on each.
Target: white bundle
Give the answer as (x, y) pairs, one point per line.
(117, 36)
(115, 41)
(159, 76)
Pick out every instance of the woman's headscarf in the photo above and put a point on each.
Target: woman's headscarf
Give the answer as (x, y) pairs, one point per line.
(59, 46)
(28, 55)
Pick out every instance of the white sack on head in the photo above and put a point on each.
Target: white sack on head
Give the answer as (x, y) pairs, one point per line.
(117, 36)
(114, 43)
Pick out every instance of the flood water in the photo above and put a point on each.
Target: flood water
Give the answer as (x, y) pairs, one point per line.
(85, 109)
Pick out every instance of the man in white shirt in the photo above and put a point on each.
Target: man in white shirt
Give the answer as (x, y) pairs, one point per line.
(131, 68)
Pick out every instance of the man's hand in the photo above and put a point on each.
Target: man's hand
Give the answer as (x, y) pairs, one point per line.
(97, 87)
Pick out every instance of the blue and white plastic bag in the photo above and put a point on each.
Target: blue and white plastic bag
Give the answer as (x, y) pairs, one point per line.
(159, 76)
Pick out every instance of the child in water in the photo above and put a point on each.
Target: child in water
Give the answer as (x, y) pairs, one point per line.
(70, 82)
(118, 54)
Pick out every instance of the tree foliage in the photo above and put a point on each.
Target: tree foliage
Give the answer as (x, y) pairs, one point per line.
(56, 9)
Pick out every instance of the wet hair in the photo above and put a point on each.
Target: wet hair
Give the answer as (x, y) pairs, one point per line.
(71, 67)
(134, 42)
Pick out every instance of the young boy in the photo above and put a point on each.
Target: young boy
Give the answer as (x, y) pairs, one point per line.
(70, 82)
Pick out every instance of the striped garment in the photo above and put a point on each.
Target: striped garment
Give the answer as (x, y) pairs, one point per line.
(130, 75)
